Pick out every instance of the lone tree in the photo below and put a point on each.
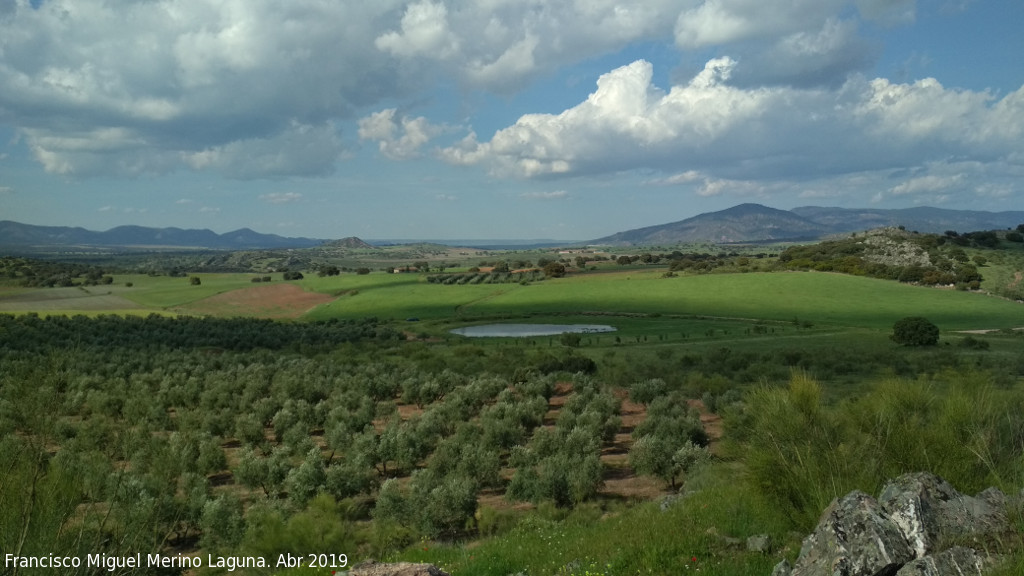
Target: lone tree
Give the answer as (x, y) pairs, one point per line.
(554, 270)
(915, 331)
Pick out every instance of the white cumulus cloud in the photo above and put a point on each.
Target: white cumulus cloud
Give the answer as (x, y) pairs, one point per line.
(552, 195)
(717, 22)
(424, 31)
(281, 197)
(732, 133)
(500, 45)
(99, 87)
(397, 138)
(258, 88)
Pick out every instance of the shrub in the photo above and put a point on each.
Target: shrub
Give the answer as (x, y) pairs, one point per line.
(973, 343)
(571, 339)
(490, 521)
(915, 331)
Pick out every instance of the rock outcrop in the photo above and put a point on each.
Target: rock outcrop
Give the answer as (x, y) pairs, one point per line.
(854, 538)
(908, 531)
(927, 509)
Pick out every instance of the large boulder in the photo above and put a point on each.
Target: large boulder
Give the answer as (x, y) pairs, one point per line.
(854, 538)
(905, 532)
(928, 511)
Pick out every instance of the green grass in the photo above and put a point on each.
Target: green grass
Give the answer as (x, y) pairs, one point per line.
(90, 313)
(689, 304)
(397, 296)
(165, 292)
(691, 536)
(821, 298)
(148, 293)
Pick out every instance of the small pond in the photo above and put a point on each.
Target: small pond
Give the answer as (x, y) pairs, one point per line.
(518, 330)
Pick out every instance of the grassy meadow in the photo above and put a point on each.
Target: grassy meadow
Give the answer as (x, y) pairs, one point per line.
(821, 298)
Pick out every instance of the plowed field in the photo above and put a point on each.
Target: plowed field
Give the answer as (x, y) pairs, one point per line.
(267, 301)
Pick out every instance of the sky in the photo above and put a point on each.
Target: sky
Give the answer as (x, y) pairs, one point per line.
(501, 119)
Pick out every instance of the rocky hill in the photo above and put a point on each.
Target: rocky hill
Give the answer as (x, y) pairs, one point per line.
(351, 242)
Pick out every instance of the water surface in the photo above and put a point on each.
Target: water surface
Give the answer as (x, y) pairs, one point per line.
(519, 330)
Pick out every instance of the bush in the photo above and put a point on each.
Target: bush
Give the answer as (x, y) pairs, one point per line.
(571, 339)
(490, 521)
(972, 343)
(915, 331)
(554, 270)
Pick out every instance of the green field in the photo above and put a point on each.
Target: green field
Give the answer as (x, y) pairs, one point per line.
(164, 292)
(821, 298)
(146, 294)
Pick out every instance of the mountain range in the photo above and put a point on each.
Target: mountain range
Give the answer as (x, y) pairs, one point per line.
(742, 223)
(757, 223)
(18, 235)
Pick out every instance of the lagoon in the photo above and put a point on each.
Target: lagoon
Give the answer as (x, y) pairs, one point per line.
(521, 330)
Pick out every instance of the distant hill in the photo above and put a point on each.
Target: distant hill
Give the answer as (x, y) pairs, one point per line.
(350, 242)
(921, 219)
(18, 235)
(757, 223)
(743, 223)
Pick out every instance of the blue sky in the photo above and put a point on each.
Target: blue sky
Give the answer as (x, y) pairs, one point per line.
(569, 119)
